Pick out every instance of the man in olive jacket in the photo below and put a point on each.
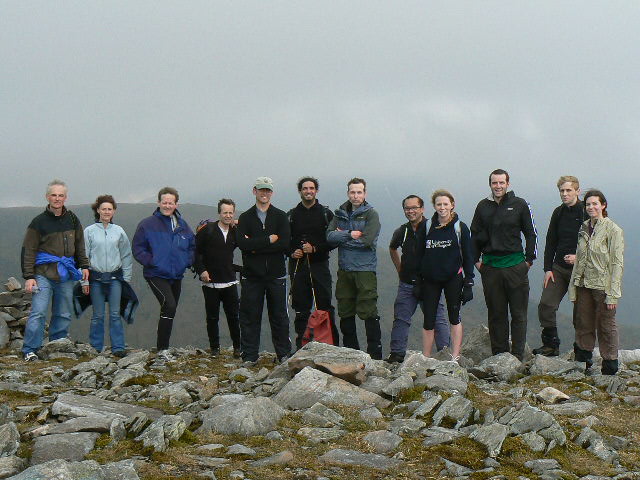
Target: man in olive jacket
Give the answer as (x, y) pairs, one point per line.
(52, 251)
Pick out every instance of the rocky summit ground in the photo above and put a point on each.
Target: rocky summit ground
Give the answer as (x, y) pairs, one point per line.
(325, 413)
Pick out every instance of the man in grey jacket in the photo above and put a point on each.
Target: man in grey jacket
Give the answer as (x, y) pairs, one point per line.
(354, 230)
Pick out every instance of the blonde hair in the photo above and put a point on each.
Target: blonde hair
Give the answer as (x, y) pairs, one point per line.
(569, 178)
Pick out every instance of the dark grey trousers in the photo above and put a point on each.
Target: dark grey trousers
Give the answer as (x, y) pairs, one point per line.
(506, 290)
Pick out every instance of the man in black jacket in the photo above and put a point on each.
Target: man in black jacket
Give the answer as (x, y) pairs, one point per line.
(263, 236)
(559, 258)
(495, 232)
(215, 243)
(309, 262)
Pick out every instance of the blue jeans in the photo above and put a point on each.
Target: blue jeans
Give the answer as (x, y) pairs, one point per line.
(403, 309)
(62, 293)
(102, 292)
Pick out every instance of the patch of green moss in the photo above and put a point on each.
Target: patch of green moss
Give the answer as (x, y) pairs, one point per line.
(142, 380)
(160, 405)
(410, 395)
(25, 450)
(102, 441)
(575, 459)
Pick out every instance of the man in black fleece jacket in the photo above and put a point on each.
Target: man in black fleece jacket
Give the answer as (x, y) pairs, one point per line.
(263, 236)
(215, 243)
(559, 258)
(496, 229)
(309, 262)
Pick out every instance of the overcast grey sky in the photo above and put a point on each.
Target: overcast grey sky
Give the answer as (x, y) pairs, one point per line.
(127, 96)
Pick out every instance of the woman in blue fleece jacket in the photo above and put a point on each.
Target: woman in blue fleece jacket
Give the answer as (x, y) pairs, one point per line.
(109, 252)
(164, 245)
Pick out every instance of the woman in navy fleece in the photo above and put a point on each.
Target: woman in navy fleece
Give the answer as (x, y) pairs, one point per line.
(164, 245)
(446, 264)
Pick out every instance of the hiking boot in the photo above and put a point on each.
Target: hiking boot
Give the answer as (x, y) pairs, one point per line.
(215, 352)
(550, 343)
(609, 367)
(395, 357)
(581, 355)
(119, 353)
(547, 351)
(237, 353)
(30, 357)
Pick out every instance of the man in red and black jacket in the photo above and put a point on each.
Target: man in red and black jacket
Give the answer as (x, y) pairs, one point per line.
(215, 243)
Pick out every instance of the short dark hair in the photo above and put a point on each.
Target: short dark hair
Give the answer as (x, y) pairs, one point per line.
(409, 197)
(308, 179)
(225, 201)
(357, 180)
(169, 191)
(499, 171)
(99, 201)
(603, 201)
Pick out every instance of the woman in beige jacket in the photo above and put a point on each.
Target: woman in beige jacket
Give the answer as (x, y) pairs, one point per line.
(595, 284)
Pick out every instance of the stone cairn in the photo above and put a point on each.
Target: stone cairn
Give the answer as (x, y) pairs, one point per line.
(14, 310)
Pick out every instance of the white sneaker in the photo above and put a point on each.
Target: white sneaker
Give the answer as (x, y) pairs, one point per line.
(455, 359)
(30, 357)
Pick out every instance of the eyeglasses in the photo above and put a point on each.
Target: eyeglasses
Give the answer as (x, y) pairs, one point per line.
(412, 209)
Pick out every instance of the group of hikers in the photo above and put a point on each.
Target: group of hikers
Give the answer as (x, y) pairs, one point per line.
(583, 255)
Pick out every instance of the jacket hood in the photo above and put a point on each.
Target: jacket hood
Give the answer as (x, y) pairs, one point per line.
(362, 208)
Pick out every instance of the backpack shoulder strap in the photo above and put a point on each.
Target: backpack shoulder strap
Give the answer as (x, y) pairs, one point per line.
(458, 229)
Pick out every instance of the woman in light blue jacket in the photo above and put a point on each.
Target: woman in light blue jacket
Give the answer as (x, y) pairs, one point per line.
(109, 253)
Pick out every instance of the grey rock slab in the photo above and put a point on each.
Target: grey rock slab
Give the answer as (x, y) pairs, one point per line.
(65, 446)
(123, 470)
(407, 426)
(117, 430)
(502, 367)
(6, 414)
(451, 369)
(312, 386)
(321, 416)
(492, 437)
(581, 407)
(9, 299)
(209, 462)
(278, 459)
(526, 419)
(555, 366)
(456, 408)
(371, 415)
(63, 470)
(95, 365)
(554, 433)
(418, 364)
(427, 406)
(62, 345)
(5, 334)
(345, 363)
(227, 398)
(375, 384)
(162, 431)
(13, 284)
(454, 469)
(81, 424)
(253, 416)
(174, 393)
(542, 465)
(238, 449)
(341, 456)
(399, 385)
(476, 344)
(382, 441)
(9, 439)
(26, 388)
(439, 435)
(534, 441)
(320, 435)
(444, 383)
(11, 465)
(134, 358)
(71, 405)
